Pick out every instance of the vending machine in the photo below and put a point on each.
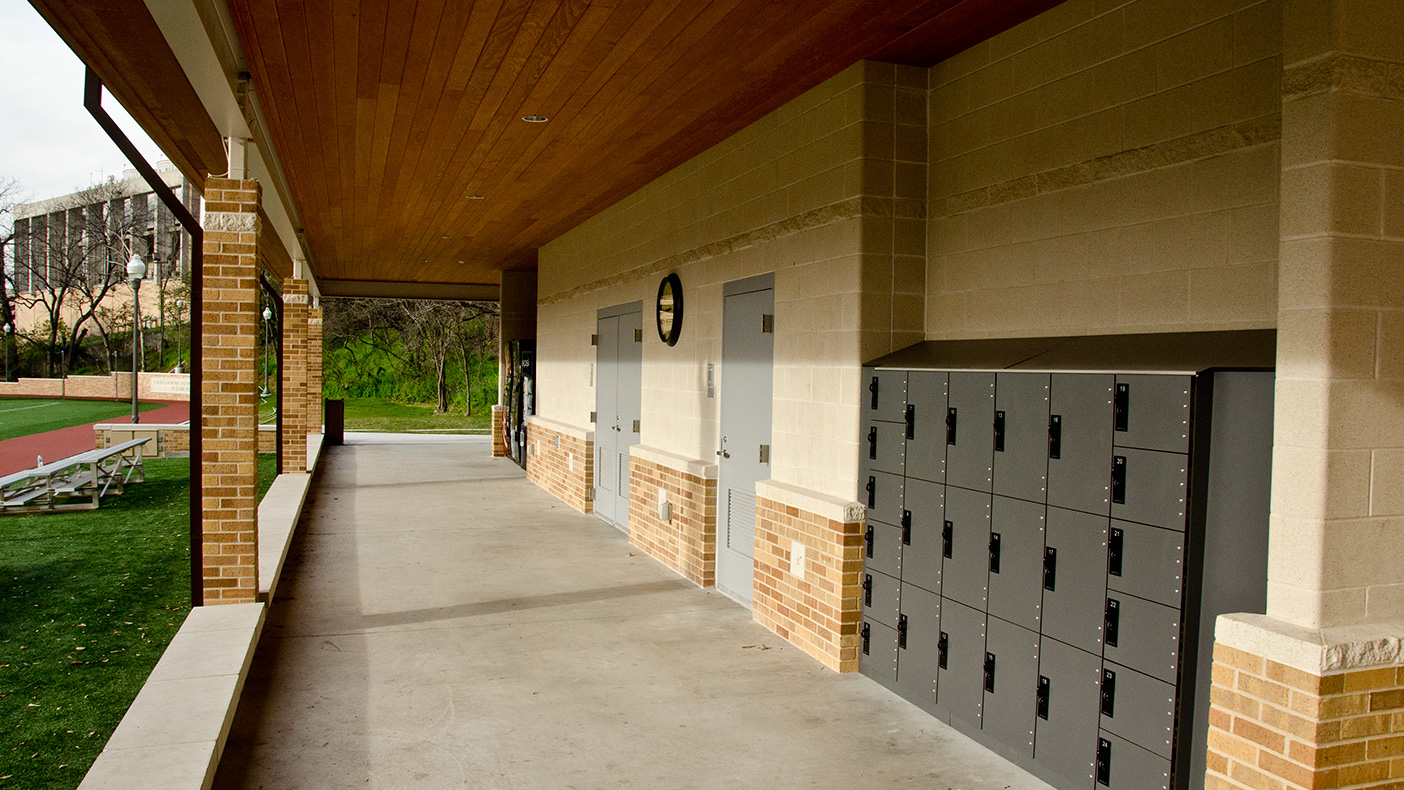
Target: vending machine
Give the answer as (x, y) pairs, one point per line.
(520, 392)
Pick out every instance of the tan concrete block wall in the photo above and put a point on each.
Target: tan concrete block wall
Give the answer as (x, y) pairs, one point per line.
(1108, 167)
(229, 418)
(1275, 727)
(566, 471)
(687, 543)
(104, 387)
(819, 613)
(294, 375)
(499, 429)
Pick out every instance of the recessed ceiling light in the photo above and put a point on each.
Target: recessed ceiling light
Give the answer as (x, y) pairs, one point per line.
(475, 197)
(535, 118)
(443, 237)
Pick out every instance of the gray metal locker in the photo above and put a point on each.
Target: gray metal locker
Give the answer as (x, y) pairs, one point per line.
(881, 598)
(1150, 487)
(926, 429)
(960, 681)
(1147, 562)
(882, 548)
(1075, 578)
(1122, 765)
(965, 547)
(1138, 707)
(884, 496)
(1021, 436)
(1152, 412)
(1011, 687)
(1080, 441)
(884, 446)
(1066, 715)
(877, 652)
(926, 515)
(970, 430)
(1016, 561)
(886, 396)
(1142, 635)
(918, 654)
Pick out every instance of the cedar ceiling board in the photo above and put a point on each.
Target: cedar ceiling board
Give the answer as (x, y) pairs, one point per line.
(960, 28)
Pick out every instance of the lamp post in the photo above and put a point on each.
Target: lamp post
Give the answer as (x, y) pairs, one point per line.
(9, 332)
(267, 327)
(136, 270)
(179, 305)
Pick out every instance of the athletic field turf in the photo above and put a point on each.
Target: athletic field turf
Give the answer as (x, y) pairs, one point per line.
(25, 416)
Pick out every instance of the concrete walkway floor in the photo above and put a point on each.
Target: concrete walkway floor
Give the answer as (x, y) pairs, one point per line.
(443, 623)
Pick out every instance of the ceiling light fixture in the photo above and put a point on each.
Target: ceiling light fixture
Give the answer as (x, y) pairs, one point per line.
(535, 118)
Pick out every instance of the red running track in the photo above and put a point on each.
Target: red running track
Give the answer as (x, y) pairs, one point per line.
(21, 453)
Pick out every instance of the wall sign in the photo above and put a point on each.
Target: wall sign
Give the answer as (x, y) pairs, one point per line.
(670, 309)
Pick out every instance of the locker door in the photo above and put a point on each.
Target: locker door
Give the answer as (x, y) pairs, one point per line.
(1021, 436)
(970, 430)
(1147, 562)
(926, 434)
(1065, 722)
(1011, 686)
(1152, 412)
(1122, 765)
(1142, 635)
(1075, 578)
(881, 598)
(1080, 441)
(1149, 487)
(883, 446)
(882, 548)
(965, 550)
(921, 557)
(884, 495)
(1016, 561)
(960, 687)
(877, 652)
(1138, 707)
(918, 653)
(886, 398)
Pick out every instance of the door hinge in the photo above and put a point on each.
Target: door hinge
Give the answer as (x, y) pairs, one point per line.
(636, 426)
(765, 453)
(593, 417)
(638, 335)
(767, 324)
(594, 340)
(590, 494)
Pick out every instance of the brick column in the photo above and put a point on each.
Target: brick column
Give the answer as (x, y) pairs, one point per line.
(1312, 694)
(228, 464)
(314, 370)
(294, 376)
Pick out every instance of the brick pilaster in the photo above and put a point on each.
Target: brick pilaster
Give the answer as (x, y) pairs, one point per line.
(294, 376)
(228, 464)
(314, 370)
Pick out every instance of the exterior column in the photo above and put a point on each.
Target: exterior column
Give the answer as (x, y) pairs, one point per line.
(228, 464)
(314, 370)
(294, 376)
(1312, 694)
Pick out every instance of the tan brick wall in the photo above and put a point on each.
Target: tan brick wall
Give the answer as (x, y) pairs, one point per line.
(314, 370)
(229, 418)
(687, 542)
(1275, 727)
(294, 375)
(819, 613)
(499, 450)
(566, 471)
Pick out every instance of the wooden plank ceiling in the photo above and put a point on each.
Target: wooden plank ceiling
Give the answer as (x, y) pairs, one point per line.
(388, 114)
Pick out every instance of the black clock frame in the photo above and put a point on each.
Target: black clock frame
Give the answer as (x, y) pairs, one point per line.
(670, 336)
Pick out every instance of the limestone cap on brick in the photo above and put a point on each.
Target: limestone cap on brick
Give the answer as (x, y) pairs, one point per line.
(1316, 650)
(679, 463)
(566, 429)
(825, 505)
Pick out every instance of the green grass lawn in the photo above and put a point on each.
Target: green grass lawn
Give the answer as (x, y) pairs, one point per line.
(25, 416)
(378, 414)
(90, 600)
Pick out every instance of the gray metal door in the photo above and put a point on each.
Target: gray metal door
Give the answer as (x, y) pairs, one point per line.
(877, 653)
(884, 496)
(1147, 562)
(618, 401)
(881, 598)
(1065, 722)
(1080, 441)
(960, 686)
(1138, 707)
(921, 556)
(965, 551)
(1075, 578)
(1149, 487)
(886, 396)
(1011, 686)
(1142, 635)
(970, 430)
(1016, 561)
(926, 436)
(748, 352)
(918, 656)
(882, 548)
(1152, 412)
(630, 391)
(1126, 766)
(884, 446)
(1021, 436)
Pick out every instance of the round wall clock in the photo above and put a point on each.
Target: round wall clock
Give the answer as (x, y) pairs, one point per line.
(670, 309)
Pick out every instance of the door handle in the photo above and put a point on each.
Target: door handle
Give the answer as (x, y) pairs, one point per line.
(1043, 690)
(1118, 480)
(873, 388)
(1109, 693)
(947, 537)
(951, 425)
(868, 542)
(1114, 549)
(867, 589)
(1055, 436)
(943, 643)
(1104, 762)
(872, 490)
(1112, 622)
(994, 552)
(999, 432)
(911, 421)
(867, 634)
(906, 527)
(1050, 569)
(990, 672)
(902, 631)
(872, 443)
(1121, 407)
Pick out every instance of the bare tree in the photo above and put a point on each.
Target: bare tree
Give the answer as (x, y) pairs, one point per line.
(10, 196)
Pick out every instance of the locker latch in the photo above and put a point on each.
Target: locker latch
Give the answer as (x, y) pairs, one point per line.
(1109, 693)
(999, 432)
(1043, 697)
(872, 490)
(873, 388)
(911, 421)
(951, 425)
(866, 633)
(872, 443)
(1114, 547)
(902, 631)
(943, 642)
(868, 542)
(1104, 762)
(1121, 405)
(1055, 436)
(989, 672)
(1113, 622)
(867, 589)
(947, 535)
(1050, 569)
(1118, 480)
(906, 527)
(994, 552)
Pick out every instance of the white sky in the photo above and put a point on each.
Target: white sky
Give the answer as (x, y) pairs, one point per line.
(48, 142)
